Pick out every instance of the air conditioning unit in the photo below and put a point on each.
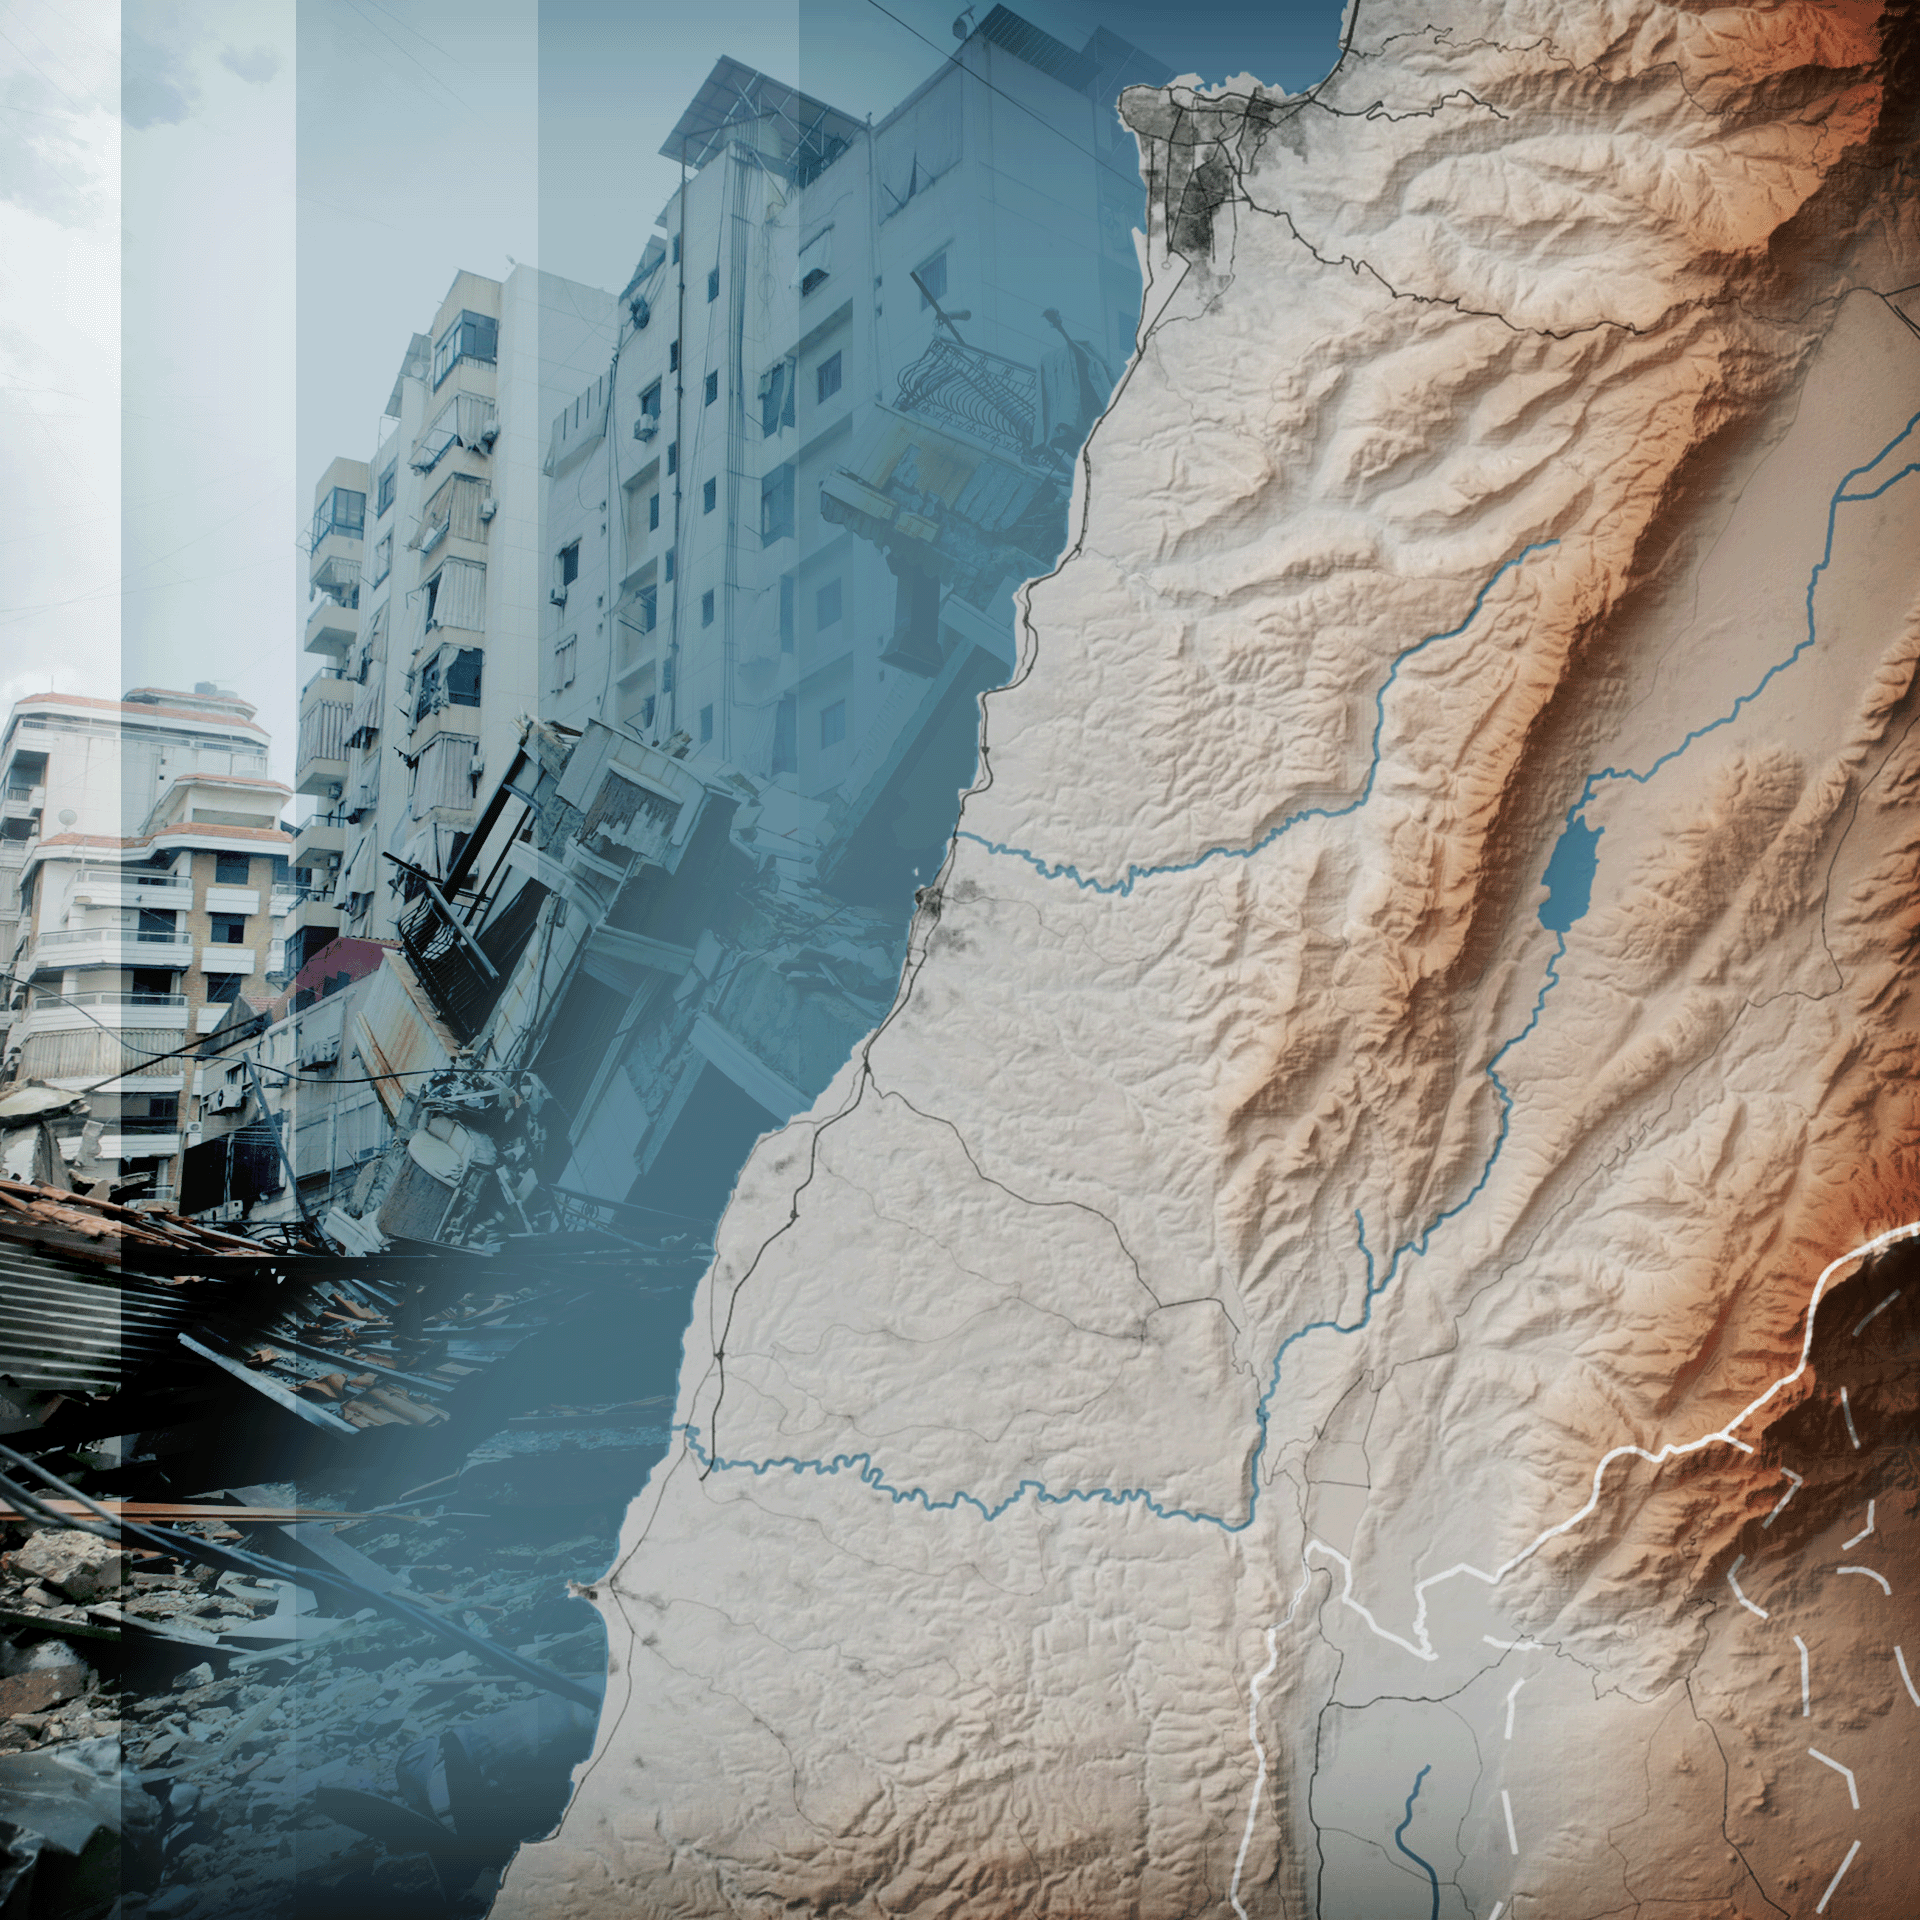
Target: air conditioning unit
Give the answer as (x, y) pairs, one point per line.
(645, 427)
(640, 311)
(489, 507)
(489, 434)
(558, 596)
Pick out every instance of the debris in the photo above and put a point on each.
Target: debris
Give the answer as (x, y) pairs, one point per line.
(82, 1566)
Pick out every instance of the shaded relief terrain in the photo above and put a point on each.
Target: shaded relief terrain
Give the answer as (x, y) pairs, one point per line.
(1285, 1378)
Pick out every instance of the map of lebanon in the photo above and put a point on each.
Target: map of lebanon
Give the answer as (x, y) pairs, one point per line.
(1346, 1348)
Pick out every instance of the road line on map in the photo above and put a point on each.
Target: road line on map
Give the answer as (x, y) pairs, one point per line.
(1837, 1878)
(1506, 1807)
(1900, 1660)
(1847, 1545)
(1846, 1773)
(1738, 1595)
(1260, 1778)
(1780, 1504)
(1871, 1575)
(1853, 1432)
(1806, 1699)
(1876, 1313)
(1511, 1691)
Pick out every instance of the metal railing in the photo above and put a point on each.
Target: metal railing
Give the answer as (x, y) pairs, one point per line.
(127, 876)
(101, 936)
(107, 997)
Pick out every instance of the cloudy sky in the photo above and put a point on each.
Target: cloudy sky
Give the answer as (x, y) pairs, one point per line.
(220, 220)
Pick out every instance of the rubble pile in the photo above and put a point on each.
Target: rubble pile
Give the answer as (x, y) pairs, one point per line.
(308, 1758)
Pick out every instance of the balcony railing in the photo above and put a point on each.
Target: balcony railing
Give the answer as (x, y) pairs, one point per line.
(160, 888)
(127, 936)
(110, 998)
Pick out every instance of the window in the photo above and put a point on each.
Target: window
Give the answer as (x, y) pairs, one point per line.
(933, 278)
(569, 564)
(827, 377)
(667, 565)
(706, 725)
(382, 558)
(706, 608)
(709, 494)
(813, 277)
(223, 989)
(712, 388)
(673, 456)
(649, 609)
(667, 675)
(653, 513)
(389, 481)
(786, 613)
(155, 924)
(673, 350)
(448, 678)
(833, 723)
(227, 929)
(776, 398)
(713, 283)
(776, 506)
(676, 250)
(563, 663)
(342, 511)
(232, 869)
(650, 403)
(474, 336)
(826, 606)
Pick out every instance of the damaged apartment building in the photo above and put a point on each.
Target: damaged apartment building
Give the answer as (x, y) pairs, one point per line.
(642, 723)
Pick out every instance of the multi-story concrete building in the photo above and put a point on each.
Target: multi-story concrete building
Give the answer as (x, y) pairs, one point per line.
(152, 881)
(783, 528)
(425, 567)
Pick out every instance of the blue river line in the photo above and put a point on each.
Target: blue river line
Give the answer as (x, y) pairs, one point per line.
(873, 1475)
(1134, 874)
(1399, 1840)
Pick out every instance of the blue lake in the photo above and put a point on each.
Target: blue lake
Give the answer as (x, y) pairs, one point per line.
(1569, 875)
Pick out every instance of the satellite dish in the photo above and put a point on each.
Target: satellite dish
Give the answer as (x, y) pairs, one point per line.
(68, 817)
(963, 24)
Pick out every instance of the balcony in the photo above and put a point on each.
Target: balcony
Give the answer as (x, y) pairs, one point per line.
(320, 841)
(139, 1139)
(320, 760)
(110, 1008)
(128, 887)
(20, 802)
(332, 630)
(108, 947)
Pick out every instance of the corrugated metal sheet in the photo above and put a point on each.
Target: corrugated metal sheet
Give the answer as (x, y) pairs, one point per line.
(70, 1328)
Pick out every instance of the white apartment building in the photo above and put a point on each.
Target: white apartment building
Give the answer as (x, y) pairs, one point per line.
(150, 884)
(834, 304)
(426, 568)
